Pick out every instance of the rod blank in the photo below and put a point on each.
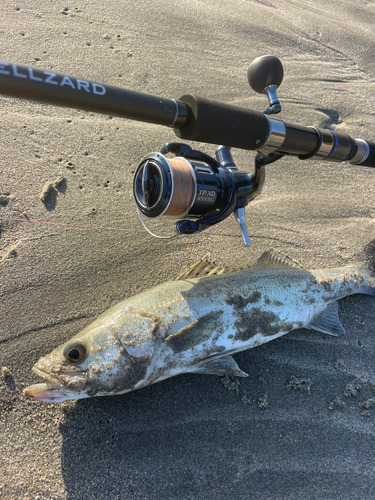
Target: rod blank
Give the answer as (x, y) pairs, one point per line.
(193, 118)
(61, 90)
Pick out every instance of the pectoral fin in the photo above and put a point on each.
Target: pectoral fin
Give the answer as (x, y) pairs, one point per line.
(328, 321)
(220, 367)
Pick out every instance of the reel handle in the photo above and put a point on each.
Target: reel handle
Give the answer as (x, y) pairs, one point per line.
(265, 75)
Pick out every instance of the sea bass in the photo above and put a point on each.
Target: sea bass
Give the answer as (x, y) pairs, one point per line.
(195, 323)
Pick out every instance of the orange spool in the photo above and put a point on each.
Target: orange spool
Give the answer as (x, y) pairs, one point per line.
(183, 187)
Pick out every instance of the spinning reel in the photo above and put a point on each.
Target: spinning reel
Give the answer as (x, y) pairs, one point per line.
(198, 189)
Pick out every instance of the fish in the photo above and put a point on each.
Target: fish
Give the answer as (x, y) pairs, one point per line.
(194, 324)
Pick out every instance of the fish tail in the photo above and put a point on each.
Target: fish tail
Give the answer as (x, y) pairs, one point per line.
(364, 266)
(366, 259)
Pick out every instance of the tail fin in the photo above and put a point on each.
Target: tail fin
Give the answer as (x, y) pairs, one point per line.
(367, 257)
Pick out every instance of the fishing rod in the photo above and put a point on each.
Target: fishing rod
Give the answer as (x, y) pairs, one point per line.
(191, 186)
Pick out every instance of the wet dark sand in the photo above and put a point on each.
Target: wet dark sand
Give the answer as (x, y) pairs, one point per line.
(302, 424)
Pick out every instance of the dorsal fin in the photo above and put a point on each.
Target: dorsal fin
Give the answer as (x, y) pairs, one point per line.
(201, 269)
(273, 258)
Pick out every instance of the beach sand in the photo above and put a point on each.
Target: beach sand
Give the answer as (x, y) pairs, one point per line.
(302, 424)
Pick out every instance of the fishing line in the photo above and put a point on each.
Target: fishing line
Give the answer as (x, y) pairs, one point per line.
(153, 234)
(71, 225)
(183, 187)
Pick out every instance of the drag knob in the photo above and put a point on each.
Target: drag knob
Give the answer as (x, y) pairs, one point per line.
(152, 185)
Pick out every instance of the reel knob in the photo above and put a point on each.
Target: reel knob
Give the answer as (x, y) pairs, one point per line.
(265, 75)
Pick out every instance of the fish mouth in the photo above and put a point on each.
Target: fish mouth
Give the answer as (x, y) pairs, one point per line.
(52, 391)
(50, 379)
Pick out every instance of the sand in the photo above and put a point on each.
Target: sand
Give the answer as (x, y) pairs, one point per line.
(302, 424)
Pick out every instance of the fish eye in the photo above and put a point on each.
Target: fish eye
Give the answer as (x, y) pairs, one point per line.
(75, 353)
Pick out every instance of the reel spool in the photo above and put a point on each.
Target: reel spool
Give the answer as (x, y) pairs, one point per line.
(174, 187)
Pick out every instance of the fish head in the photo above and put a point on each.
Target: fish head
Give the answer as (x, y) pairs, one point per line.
(110, 356)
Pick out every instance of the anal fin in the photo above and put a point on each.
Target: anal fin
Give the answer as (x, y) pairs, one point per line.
(222, 366)
(328, 321)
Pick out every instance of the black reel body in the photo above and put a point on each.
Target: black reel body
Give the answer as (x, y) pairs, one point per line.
(191, 185)
(195, 187)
